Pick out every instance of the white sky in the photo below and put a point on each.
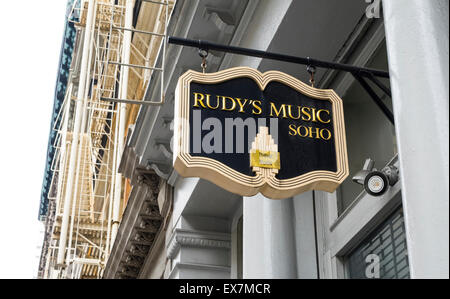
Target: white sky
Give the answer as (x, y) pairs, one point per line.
(30, 38)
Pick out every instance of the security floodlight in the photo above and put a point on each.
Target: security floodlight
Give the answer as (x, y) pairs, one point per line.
(360, 176)
(375, 182)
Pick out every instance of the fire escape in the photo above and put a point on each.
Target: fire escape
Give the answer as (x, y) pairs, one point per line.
(112, 60)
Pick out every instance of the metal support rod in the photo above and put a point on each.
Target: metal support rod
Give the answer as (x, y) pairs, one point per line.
(90, 242)
(138, 31)
(205, 45)
(164, 48)
(375, 98)
(126, 101)
(156, 2)
(136, 66)
(378, 83)
(65, 145)
(121, 117)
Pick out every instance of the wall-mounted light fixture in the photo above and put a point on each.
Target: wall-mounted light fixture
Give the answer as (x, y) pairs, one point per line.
(375, 182)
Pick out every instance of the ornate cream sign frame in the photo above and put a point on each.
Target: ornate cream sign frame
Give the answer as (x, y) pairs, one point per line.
(233, 181)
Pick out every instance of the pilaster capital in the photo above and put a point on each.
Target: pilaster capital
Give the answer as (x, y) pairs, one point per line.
(202, 239)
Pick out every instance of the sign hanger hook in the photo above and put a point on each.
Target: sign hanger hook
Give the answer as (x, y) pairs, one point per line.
(312, 71)
(203, 54)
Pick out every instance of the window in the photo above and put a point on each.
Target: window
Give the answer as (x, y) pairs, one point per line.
(364, 236)
(369, 133)
(383, 254)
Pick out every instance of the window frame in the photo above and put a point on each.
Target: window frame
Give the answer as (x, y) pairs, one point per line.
(338, 235)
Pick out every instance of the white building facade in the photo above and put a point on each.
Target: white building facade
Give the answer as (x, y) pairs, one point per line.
(203, 231)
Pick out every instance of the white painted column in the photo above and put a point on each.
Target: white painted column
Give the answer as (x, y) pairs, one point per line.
(417, 42)
(305, 235)
(268, 225)
(268, 238)
(122, 115)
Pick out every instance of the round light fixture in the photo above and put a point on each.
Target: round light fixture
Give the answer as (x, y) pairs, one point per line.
(376, 183)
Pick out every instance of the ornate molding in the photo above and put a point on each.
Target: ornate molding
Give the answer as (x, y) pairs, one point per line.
(199, 239)
(141, 231)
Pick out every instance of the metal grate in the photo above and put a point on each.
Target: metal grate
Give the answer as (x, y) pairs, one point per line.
(384, 253)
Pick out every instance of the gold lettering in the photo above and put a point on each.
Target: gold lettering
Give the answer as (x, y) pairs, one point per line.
(256, 107)
(328, 133)
(292, 128)
(208, 102)
(317, 132)
(273, 108)
(305, 113)
(300, 133)
(290, 112)
(320, 119)
(199, 100)
(241, 106)
(313, 114)
(224, 103)
(309, 132)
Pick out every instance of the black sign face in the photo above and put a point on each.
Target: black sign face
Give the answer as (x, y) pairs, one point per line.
(250, 132)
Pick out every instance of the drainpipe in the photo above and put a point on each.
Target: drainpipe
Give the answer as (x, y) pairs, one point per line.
(76, 135)
(122, 114)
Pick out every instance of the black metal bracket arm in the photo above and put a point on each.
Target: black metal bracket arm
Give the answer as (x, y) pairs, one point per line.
(386, 111)
(205, 45)
(360, 73)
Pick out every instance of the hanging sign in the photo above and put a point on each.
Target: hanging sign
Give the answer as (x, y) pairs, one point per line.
(249, 132)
